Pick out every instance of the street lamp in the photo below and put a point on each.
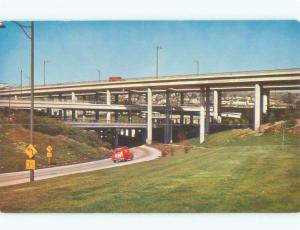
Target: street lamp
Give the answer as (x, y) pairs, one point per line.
(30, 36)
(157, 49)
(171, 127)
(197, 65)
(99, 72)
(45, 62)
(21, 81)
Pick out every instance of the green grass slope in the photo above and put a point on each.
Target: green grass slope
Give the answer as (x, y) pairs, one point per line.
(69, 145)
(238, 172)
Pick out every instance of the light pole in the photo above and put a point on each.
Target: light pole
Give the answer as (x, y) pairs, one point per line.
(45, 62)
(171, 127)
(157, 50)
(21, 83)
(30, 36)
(99, 72)
(197, 65)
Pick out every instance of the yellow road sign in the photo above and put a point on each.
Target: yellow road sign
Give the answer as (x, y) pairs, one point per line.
(30, 164)
(49, 148)
(30, 151)
(49, 151)
(49, 154)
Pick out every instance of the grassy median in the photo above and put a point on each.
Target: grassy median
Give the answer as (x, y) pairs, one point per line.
(238, 172)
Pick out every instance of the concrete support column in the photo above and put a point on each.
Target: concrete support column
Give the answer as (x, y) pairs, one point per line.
(60, 97)
(49, 112)
(181, 119)
(149, 116)
(217, 104)
(207, 110)
(129, 97)
(167, 130)
(182, 98)
(84, 115)
(116, 116)
(129, 116)
(191, 119)
(65, 114)
(116, 98)
(266, 101)
(73, 114)
(73, 97)
(60, 113)
(257, 106)
(108, 102)
(202, 117)
(97, 97)
(97, 115)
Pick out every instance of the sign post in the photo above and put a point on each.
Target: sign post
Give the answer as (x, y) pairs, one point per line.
(30, 151)
(49, 150)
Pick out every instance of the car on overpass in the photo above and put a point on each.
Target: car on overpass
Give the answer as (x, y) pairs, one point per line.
(122, 154)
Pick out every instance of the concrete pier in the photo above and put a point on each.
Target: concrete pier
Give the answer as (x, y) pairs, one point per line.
(202, 117)
(73, 97)
(97, 115)
(257, 106)
(108, 102)
(217, 104)
(207, 109)
(65, 114)
(149, 116)
(266, 101)
(181, 98)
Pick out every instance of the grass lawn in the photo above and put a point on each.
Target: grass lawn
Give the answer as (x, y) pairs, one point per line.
(235, 171)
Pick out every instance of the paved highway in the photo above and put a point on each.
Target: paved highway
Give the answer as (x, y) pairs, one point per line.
(141, 154)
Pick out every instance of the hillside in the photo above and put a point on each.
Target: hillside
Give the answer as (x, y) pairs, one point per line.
(238, 171)
(69, 145)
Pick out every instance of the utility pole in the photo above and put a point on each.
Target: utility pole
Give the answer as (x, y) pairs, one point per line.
(21, 83)
(171, 127)
(157, 50)
(283, 136)
(32, 92)
(99, 73)
(30, 36)
(197, 65)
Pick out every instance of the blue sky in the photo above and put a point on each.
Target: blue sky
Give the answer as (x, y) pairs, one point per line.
(127, 48)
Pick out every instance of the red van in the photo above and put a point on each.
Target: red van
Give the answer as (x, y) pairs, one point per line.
(122, 154)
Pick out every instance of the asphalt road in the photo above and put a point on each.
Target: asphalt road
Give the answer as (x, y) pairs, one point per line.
(141, 154)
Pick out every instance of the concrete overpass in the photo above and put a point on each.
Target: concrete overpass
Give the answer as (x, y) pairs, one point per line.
(261, 82)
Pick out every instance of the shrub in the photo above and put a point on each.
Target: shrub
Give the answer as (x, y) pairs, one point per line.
(55, 127)
(183, 141)
(244, 121)
(48, 126)
(166, 150)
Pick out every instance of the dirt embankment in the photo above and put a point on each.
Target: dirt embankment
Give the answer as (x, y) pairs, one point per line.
(66, 150)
